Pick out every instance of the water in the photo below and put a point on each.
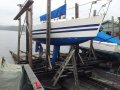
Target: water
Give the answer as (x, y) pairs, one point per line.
(8, 41)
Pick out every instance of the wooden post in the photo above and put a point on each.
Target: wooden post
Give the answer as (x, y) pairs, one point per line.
(75, 55)
(76, 10)
(91, 43)
(48, 62)
(119, 26)
(29, 27)
(19, 29)
(29, 37)
(75, 72)
(112, 26)
(77, 45)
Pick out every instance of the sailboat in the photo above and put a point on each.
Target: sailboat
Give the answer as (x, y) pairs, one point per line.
(67, 32)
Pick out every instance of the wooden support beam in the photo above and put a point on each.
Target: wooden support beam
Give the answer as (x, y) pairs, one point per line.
(48, 62)
(76, 10)
(31, 77)
(29, 26)
(75, 72)
(77, 45)
(112, 26)
(29, 35)
(91, 51)
(19, 30)
(119, 26)
(25, 7)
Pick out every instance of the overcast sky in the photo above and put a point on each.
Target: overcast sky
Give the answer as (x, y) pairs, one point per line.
(9, 9)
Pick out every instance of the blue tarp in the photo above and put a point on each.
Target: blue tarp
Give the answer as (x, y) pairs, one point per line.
(103, 37)
(56, 13)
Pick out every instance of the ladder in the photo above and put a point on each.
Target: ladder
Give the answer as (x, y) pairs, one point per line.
(62, 67)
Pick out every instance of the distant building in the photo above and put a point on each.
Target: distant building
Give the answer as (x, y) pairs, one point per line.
(108, 28)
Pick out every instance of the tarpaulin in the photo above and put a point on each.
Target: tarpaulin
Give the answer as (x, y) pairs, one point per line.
(55, 13)
(103, 37)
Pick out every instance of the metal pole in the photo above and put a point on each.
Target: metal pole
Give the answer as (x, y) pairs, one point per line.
(112, 26)
(94, 2)
(48, 62)
(19, 29)
(65, 1)
(94, 13)
(90, 9)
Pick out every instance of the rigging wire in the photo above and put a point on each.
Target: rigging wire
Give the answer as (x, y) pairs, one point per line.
(84, 4)
(107, 9)
(104, 5)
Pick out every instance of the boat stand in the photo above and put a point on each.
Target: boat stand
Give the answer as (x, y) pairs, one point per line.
(91, 51)
(71, 56)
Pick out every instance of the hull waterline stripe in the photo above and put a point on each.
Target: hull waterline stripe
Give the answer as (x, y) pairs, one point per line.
(89, 25)
(92, 29)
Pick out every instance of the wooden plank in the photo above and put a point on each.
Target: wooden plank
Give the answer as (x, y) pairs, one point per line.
(25, 7)
(19, 30)
(107, 75)
(32, 77)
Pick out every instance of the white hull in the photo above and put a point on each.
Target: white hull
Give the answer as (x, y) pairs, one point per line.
(110, 47)
(71, 29)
